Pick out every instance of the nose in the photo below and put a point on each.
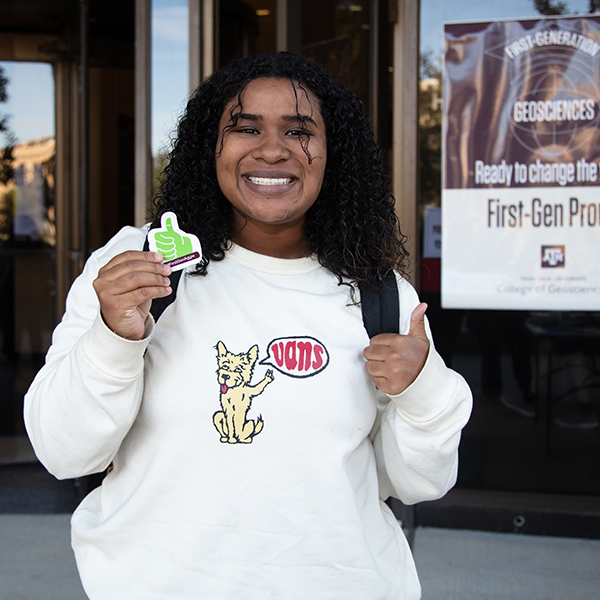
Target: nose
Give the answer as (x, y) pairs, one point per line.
(271, 148)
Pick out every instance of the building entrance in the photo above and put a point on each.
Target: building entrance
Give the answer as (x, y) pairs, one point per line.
(27, 234)
(66, 174)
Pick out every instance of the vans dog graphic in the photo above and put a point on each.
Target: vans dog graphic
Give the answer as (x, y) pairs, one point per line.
(234, 375)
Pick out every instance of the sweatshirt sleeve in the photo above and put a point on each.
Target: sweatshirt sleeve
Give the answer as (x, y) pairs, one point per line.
(85, 398)
(417, 432)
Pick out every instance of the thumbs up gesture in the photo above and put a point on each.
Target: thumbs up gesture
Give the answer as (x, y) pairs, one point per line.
(394, 361)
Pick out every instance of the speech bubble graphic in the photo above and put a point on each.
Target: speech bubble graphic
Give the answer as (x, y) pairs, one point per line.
(297, 356)
(180, 249)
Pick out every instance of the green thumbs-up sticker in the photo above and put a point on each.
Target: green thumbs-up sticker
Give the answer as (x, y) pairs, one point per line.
(179, 248)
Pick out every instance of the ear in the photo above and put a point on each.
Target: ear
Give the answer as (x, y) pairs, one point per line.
(253, 354)
(221, 350)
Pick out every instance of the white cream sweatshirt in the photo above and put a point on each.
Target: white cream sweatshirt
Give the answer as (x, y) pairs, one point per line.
(251, 450)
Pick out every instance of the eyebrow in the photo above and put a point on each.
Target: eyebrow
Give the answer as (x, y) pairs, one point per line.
(289, 118)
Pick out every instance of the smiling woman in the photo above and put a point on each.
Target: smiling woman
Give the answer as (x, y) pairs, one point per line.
(277, 173)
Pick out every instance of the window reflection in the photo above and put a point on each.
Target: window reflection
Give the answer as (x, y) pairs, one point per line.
(32, 192)
(27, 155)
(338, 38)
(170, 78)
(27, 234)
(534, 375)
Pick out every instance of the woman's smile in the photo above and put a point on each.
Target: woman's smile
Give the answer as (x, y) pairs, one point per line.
(269, 182)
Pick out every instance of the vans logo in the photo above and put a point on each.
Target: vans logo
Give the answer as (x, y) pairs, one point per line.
(297, 356)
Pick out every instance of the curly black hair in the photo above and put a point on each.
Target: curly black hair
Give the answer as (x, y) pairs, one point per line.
(352, 227)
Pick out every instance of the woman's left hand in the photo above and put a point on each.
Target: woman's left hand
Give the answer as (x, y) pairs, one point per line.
(394, 361)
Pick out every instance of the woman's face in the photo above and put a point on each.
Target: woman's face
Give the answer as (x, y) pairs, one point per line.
(262, 168)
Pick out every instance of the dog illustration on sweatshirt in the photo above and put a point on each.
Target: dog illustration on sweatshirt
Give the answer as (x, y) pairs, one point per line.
(234, 375)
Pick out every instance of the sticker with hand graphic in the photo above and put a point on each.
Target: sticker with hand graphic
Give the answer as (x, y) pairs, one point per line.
(179, 248)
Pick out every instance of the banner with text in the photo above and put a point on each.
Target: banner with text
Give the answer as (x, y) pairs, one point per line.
(521, 192)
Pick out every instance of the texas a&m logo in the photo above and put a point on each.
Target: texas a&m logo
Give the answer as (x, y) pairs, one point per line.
(553, 257)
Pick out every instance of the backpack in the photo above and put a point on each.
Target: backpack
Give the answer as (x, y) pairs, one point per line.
(380, 310)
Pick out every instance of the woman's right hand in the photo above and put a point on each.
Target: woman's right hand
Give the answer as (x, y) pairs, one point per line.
(125, 287)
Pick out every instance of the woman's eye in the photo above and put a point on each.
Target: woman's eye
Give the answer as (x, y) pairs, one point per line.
(297, 132)
(245, 130)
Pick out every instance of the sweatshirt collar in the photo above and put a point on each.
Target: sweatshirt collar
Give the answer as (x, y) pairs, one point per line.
(270, 264)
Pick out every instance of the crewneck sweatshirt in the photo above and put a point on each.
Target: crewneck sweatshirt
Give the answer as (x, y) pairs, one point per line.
(250, 450)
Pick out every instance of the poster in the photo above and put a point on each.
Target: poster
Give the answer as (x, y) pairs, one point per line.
(521, 144)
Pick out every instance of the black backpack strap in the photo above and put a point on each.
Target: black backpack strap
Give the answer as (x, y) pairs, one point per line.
(159, 305)
(381, 308)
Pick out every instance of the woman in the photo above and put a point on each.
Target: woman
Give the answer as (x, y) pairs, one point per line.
(266, 478)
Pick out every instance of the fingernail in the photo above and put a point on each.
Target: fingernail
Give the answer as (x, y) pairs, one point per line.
(158, 256)
(166, 280)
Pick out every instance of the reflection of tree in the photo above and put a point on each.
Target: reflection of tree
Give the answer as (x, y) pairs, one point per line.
(550, 7)
(7, 210)
(6, 157)
(555, 7)
(7, 173)
(159, 162)
(49, 232)
(430, 131)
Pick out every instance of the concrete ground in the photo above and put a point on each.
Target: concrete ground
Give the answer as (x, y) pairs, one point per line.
(36, 562)
(477, 565)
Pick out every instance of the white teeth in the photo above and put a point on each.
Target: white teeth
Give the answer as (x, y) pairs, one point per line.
(269, 181)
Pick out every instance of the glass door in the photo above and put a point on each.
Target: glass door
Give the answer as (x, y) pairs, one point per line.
(27, 239)
(534, 374)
